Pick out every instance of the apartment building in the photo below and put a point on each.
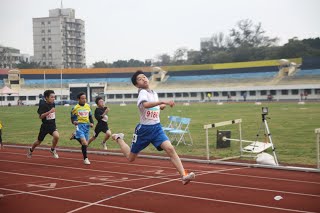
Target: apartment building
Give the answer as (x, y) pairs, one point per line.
(59, 40)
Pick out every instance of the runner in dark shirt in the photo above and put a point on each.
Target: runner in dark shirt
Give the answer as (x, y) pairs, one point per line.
(102, 126)
(47, 114)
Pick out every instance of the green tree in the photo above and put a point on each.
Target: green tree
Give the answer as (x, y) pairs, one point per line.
(100, 64)
(246, 34)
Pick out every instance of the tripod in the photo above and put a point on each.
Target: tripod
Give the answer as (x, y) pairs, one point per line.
(267, 134)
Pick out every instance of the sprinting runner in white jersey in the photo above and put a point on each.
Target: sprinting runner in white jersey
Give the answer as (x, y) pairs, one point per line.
(149, 130)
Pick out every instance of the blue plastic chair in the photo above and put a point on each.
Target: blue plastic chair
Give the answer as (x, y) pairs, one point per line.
(174, 122)
(181, 130)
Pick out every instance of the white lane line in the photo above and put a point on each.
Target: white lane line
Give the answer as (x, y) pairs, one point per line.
(160, 177)
(175, 195)
(71, 200)
(271, 178)
(115, 162)
(171, 168)
(226, 201)
(138, 189)
(87, 184)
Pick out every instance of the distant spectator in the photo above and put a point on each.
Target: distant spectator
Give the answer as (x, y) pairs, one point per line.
(305, 95)
(301, 96)
(209, 96)
(229, 97)
(270, 97)
(244, 96)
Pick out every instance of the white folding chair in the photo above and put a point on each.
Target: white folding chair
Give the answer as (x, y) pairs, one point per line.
(174, 122)
(182, 129)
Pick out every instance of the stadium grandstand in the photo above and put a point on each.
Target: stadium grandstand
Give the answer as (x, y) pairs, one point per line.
(282, 79)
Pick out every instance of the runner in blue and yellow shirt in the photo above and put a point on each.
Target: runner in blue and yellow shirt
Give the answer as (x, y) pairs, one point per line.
(81, 117)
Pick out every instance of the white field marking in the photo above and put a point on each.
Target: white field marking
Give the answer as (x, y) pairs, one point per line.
(226, 201)
(106, 178)
(131, 191)
(31, 182)
(75, 168)
(156, 171)
(115, 162)
(198, 182)
(163, 193)
(87, 184)
(282, 179)
(44, 185)
(252, 176)
(252, 188)
(72, 200)
(155, 177)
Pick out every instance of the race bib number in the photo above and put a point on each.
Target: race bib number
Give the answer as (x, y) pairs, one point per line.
(134, 138)
(51, 116)
(152, 115)
(83, 113)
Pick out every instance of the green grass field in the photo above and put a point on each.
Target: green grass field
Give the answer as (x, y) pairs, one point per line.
(291, 125)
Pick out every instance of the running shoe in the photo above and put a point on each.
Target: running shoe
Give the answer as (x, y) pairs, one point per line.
(54, 154)
(29, 153)
(187, 178)
(86, 161)
(104, 146)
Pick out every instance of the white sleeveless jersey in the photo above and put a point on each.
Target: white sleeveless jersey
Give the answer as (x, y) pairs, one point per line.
(148, 116)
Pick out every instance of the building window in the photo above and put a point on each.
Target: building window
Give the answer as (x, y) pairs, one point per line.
(193, 94)
(42, 23)
(185, 94)
(263, 92)
(135, 95)
(10, 98)
(42, 31)
(224, 93)
(161, 95)
(307, 91)
(49, 31)
(252, 93)
(169, 95)
(32, 98)
(49, 39)
(49, 22)
(1, 98)
(50, 55)
(50, 63)
(110, 96)
(43, 39)
(118, 96)
(317, 91)
(295, 92)
(233, 93)
(23, 98)
(43, 63)
(284, 92)
(127, 95)
(49, 47)
(273, 92)
(43, 55)
(215, 94)
(43, 47)
(178, 95)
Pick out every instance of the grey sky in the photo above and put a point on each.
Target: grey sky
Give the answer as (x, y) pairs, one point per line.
(143, 29)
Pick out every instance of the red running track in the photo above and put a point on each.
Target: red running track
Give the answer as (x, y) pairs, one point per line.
(111, 184)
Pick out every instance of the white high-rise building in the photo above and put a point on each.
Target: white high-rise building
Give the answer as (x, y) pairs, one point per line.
(59, 40)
